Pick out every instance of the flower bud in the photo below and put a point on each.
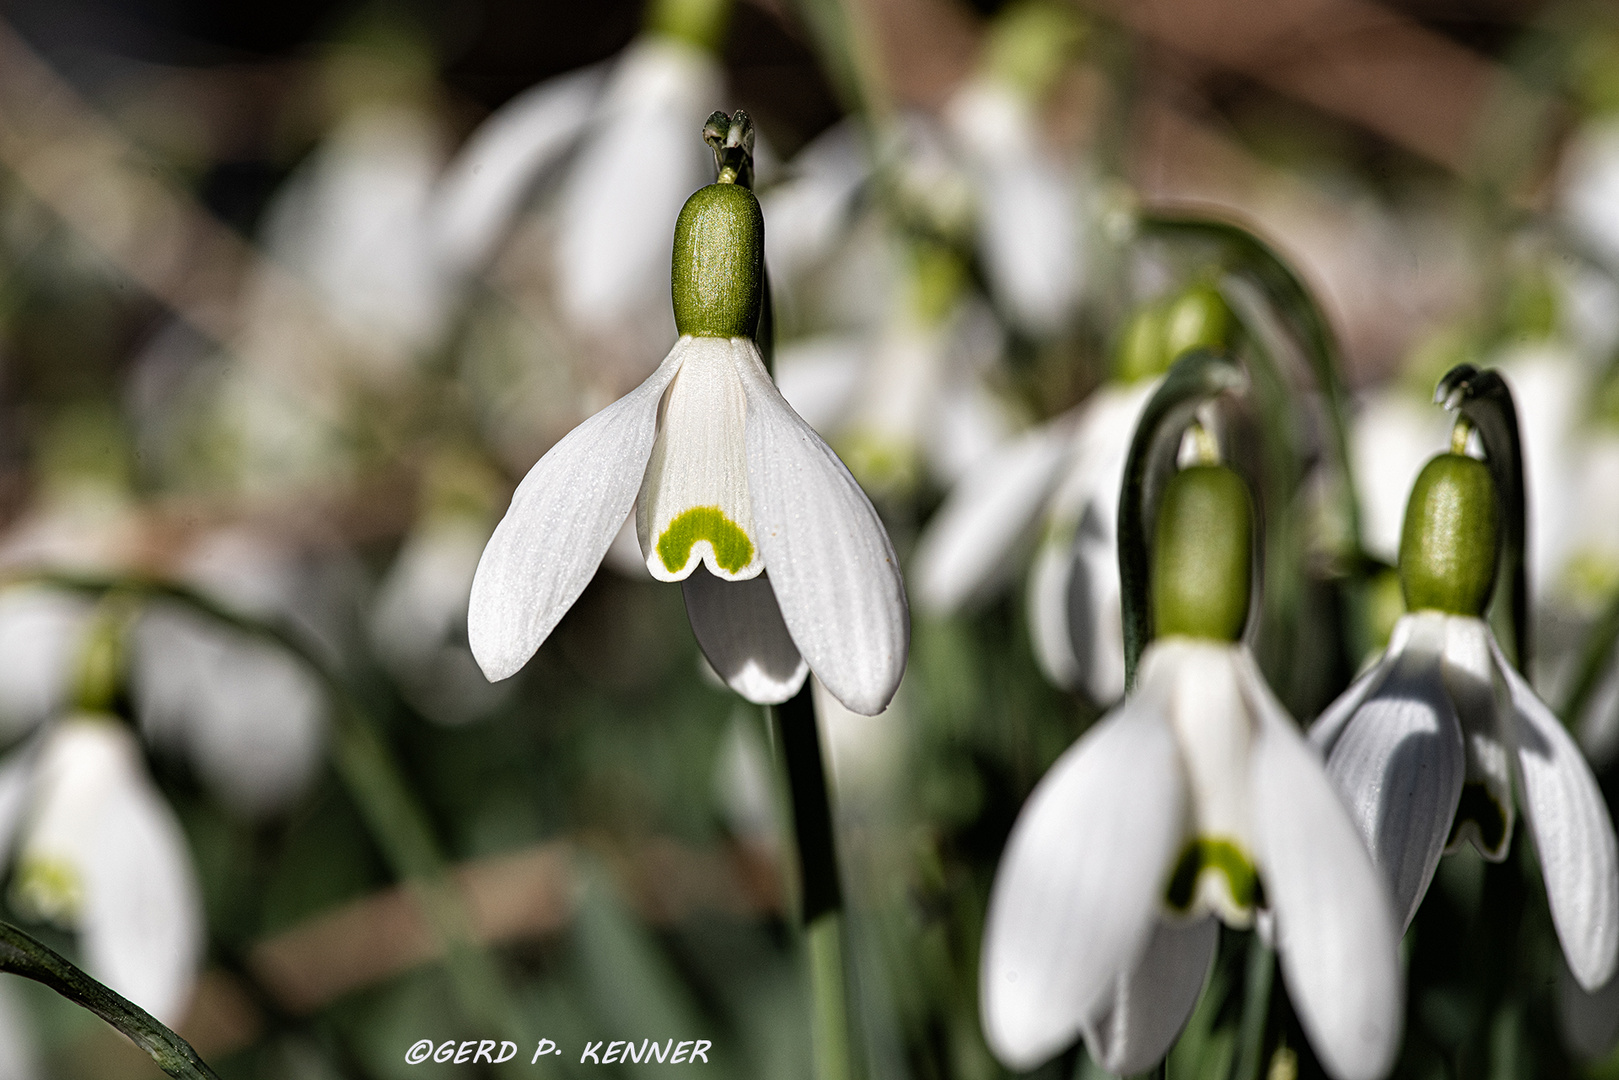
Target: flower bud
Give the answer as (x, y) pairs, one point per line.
(1198, 318)
(719, 262)
(1202, 553)
(1451, 540)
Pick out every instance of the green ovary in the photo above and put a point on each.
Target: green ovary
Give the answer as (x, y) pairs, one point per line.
(1220, 856)
(732, 548)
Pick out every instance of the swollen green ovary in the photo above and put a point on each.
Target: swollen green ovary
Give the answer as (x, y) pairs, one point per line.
(695, 504)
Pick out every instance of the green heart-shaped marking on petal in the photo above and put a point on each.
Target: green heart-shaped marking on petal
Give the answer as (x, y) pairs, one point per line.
(1222, 856)
(732, 548)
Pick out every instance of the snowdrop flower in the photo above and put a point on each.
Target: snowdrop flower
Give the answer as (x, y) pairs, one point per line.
(249, 716)
(785, 566)
(1027, 204)
(1196, 799)
(418, 623)
(1066, 474)
(1429, 746)
(633, 163)
(94, 848)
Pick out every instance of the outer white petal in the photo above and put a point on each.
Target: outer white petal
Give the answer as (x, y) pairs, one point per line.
(41, 633)
(561, 519)
(1080, 883)
(1324, 730)
(1336, 934)
(833, 568)
(739, 627)
(1399, 766)
(617, 209)
(142, 923)
(1153, 1002)
(485, 185)
(968, 543)
(819, 376)
(1573, 835)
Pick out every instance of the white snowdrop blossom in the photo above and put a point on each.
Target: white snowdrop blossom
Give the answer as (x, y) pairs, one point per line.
(1435, 745)
(633, 163)
(1195, 799)
(1066, 474)
(1027, 203)
(418, 623)
(785, 565)
(94, 848)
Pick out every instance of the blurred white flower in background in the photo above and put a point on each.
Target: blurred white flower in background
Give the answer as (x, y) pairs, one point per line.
(95, 849)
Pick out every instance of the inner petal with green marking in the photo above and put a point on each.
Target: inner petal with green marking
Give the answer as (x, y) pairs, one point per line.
(1214, 874)
(695, 506)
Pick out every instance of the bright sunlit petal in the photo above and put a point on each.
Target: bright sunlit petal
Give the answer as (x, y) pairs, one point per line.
(739, 627)
(561, 519)
(833, 568)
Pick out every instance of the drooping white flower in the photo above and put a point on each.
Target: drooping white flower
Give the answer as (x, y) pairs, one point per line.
(1027, 203)
(97, 850)
(418, 622)
(1196, 798)
(633, 164)
(786, 566)
(1066, 473)
(1436, 744)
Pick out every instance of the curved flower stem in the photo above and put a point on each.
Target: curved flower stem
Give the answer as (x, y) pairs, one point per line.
(375, 781)
(1196, 377)
(21, 955)
(821, 893)
(1484, 398)
(1250, 259)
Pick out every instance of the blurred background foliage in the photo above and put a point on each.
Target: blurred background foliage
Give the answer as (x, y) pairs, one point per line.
(242, 358)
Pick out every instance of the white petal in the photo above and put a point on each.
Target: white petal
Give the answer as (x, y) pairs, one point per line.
(1336, 934)
(1326, 728)
(561, 519)
(1153, 1002)
(1486, 813)
(1573, 835)
(834, 571)
(142, 923)
(739, 627)
(1399, 765)
(41, 633)
(485, 185)
(819, 376)
(694, 506)
(967, 544)
(617, 208)
(1080, 883)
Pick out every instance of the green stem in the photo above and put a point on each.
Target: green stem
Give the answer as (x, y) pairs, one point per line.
(821, 894)
(1484, 398)
(375, 781)
(22, 955)
(1255, 1010)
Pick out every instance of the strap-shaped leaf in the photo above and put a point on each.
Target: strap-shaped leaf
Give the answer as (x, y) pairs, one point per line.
(1195, 378)
(1484, 398)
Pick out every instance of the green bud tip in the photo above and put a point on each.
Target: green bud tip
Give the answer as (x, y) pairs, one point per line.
(1451, 540)
(718, 268)
(1202, 555)
(731, 139)
(1197, 318)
